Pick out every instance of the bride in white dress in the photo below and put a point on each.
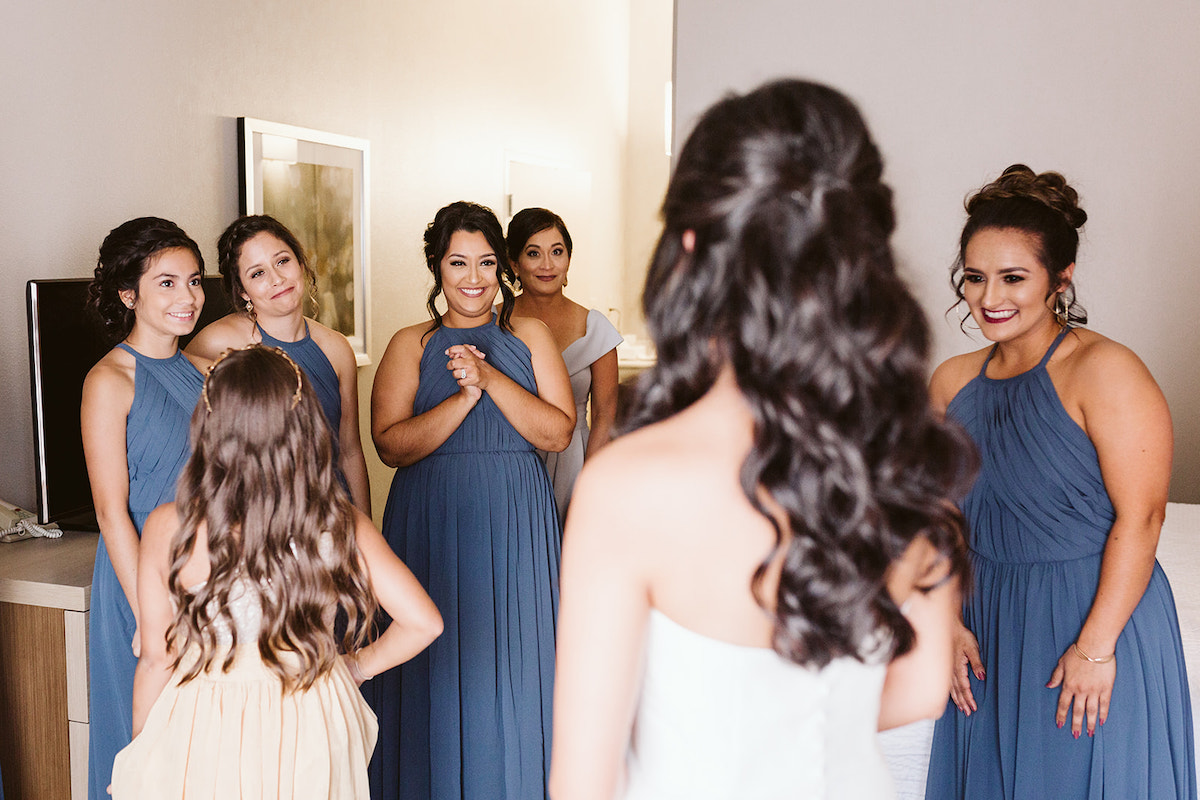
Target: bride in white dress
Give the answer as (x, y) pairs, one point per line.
(764, 571)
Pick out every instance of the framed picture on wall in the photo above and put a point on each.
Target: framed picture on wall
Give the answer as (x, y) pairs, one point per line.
(315, 183)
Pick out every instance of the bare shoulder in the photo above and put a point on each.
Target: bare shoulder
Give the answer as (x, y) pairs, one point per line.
(231, 331)
(111, 379)
(659, 474)
(1097, 360)
(333, 344)
(620, 494)
(1100, 379)
(408, 343)
(952, 375)
(532, 331)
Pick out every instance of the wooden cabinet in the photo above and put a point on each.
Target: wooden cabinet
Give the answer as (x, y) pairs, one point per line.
(45, 593)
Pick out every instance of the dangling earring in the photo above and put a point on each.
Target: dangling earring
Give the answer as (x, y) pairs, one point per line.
(564, 281)
(1062, 310)
(250, 312)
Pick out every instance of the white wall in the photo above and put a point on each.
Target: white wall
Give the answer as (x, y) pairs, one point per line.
(128, 108)
(1104, 91)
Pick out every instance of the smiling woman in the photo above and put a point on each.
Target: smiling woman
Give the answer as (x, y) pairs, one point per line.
(1070, 679)
(540, 247)
(458, 405)
(137, 405)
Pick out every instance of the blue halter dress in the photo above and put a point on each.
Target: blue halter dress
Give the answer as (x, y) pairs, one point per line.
(165, 394)
(476, 523)
(1039, 520)
(316, 366)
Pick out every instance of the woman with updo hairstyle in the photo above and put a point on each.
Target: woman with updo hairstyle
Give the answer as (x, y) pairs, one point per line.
(539, 247)
(786, 526)
(137, 403)
(1069, 678)
(458, 407)
(240, 689)
(266, 274)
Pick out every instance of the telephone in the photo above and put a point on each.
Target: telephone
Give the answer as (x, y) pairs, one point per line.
(17, 524)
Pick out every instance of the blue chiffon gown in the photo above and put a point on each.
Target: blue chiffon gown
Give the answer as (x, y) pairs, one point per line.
(475, 521)
(312, 360)
(1039, 519)
(165, 393)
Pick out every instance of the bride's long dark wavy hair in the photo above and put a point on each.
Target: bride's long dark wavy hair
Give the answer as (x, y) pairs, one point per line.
(791, 282)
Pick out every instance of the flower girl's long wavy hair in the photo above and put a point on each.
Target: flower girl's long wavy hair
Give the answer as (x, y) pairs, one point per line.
(261, 488)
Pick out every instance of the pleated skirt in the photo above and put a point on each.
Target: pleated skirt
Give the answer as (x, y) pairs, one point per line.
(239, 735)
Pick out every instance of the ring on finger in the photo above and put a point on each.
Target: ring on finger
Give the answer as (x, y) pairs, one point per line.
(463, 376)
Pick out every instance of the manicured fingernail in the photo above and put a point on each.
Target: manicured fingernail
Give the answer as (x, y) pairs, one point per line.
(979, 674)
(1091, 731)
(1060, 725)
(1076, 734)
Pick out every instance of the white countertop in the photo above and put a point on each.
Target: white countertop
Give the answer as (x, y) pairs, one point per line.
(55, 573)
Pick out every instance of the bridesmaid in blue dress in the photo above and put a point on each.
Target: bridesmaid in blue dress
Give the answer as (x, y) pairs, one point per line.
(458, 406)
(136, 410)
(266, 273)
(1069, 679)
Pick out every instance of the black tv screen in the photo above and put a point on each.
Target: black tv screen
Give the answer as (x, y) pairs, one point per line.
(65, 341)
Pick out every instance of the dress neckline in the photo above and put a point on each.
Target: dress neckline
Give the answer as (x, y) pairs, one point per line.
(1041, 365)
(656, 614)
(491, 321)
(271, 340)
(140, 355)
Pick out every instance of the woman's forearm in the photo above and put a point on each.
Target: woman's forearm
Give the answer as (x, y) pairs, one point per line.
(543, 425)
(122, 543)
(1125, 572)
(408, 441)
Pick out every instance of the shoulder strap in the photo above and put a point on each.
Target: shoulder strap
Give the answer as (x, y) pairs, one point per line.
(1054, 345)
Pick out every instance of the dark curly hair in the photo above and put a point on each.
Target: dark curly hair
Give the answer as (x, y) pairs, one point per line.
(791, 283)
(261, 480)
(1042, 205)
(125, 255)
(528, 221)
(473, 218)
(229, 250)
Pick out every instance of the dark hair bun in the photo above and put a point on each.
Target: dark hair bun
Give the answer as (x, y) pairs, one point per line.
(1048, 188)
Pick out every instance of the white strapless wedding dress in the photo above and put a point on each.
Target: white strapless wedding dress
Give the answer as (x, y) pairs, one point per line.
(718, 720)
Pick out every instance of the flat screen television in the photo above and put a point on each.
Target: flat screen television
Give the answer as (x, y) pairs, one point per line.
(65, 341)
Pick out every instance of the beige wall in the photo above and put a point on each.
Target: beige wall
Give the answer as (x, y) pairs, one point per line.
(128, 108)
(1106, 92)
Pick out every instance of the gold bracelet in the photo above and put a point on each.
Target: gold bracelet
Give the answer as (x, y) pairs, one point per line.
(1086, 657)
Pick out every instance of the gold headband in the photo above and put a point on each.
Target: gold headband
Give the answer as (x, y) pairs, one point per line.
(208, 373)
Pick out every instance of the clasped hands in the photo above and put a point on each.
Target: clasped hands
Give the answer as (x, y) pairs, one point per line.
(470, 372)
(1084, 697)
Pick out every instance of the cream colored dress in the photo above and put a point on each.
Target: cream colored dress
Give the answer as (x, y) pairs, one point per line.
(239, 735)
